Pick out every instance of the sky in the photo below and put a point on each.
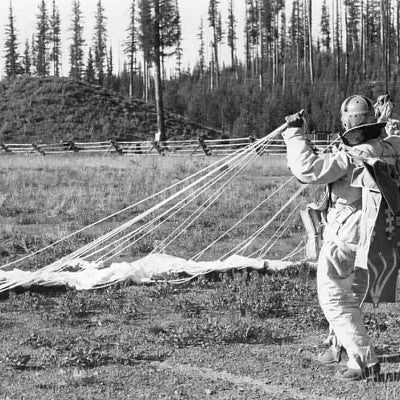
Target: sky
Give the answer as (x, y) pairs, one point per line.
(117, 13)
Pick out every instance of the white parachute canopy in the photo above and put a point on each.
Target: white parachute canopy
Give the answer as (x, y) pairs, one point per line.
(92, 266)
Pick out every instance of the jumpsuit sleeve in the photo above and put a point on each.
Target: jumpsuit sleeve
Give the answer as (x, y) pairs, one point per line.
(309, 167)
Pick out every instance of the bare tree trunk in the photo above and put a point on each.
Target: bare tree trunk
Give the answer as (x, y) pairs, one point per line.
(305, 30)
(382, 37)
(212, 74)
(363, 47)
(297, 38)
(260, 44)
(158, 80)
(274, 51)
(310, 45)
(145, 81)
(398, 35)
(247, 45)
(346, 44)
(387, 41)
(337, 40)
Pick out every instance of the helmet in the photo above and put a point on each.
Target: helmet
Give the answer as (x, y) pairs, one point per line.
(357, 110)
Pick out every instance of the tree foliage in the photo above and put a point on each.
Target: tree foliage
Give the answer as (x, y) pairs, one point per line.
(283, 65)
(12, 58)
(42, 58)
(55, 39)
(76, 55)
(100, 42)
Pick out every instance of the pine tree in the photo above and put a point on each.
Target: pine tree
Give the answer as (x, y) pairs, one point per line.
(90, 73)
(12, 62)
(215, 25)
(157, 80)
(178, 40)
(131, 46)
(27, 59)
(100, 42)
(42, 62)
(146, 38)
(325, 27)
(170, 29)
(78, 42)
(353, 14)
(253, 28)
(33, 50)
(231, 34)
(55, 35)
(110, 68)
(296, 34)
(202, 61)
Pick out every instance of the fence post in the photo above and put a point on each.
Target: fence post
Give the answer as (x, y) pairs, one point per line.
(38, 149)
(159, 147)
(259, 151)
(5, 148)
(70, 146)
(204, 146)
(114, 145)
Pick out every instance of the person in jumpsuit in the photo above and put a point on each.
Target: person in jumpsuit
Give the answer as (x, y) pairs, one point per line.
(341, 285)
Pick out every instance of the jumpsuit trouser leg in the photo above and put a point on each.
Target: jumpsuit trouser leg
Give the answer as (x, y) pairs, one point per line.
(339, 298)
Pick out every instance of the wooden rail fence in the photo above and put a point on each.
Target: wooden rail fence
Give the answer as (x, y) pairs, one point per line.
(215, 147)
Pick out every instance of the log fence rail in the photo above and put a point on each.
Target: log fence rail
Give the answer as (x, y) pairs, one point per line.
(192, 147)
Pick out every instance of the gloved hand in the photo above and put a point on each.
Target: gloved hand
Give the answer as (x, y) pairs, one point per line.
(295, 120)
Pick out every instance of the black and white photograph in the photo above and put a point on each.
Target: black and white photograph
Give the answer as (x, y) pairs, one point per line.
(199, 199)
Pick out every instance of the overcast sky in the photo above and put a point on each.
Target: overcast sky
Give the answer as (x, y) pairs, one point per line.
(117, 13)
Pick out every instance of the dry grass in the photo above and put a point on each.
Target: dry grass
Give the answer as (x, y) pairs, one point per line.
(118, 343)
(46, 198)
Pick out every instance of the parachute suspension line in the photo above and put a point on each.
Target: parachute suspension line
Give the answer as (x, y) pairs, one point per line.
(102, 239)
(213, 165)
(178, 207)
(195, 215)
(87, 248)
(258, 145)
(198, 255)
(261, 253)
(241, 247)
(190, 220)
(262, 229)
(300, 247)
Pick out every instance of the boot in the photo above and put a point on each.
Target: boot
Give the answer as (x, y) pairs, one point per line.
(329, 356)
(348, 374)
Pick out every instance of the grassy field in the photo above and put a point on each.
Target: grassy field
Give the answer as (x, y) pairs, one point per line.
(236, 336)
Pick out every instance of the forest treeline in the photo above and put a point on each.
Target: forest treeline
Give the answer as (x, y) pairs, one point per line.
(284, 65)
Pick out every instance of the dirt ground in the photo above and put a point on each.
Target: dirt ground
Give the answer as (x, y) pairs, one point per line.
(139, 343)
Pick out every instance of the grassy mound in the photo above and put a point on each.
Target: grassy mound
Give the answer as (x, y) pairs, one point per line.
(49, 110)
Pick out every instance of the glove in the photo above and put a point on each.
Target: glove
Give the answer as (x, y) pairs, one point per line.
(294, 120)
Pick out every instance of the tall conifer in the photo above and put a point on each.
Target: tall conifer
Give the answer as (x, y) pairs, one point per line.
(42, 59)
(27, 59)
(100, 42)
(131, 45)
(55, 39)
(12, 61)
(90, 72)
(231, 33)
(78, 42)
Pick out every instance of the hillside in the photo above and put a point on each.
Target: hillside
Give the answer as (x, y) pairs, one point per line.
(49, 110)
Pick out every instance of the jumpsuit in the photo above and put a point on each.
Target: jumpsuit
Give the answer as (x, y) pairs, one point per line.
(341, 284)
